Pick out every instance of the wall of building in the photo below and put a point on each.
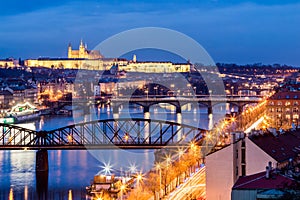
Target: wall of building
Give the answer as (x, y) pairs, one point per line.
(220, 174)
(243, 195)
(9, 63)
(256, 158)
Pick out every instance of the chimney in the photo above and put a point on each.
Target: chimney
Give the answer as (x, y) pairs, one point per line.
(233, 138)
(267, 172)
(270, 165)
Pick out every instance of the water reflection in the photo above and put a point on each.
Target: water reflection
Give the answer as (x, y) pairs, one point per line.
(11, 194)
(70, 195)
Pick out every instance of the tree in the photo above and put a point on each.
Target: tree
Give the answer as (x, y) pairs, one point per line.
(152, 182)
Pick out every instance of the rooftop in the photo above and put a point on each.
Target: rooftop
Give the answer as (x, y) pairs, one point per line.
(281, 147)
(286, 95)
(259, 181)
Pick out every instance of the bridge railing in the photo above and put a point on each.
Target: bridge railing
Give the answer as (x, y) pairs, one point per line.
(111, 133)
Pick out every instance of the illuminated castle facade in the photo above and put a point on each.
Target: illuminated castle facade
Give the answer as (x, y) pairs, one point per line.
(93, 60)
(83, 52)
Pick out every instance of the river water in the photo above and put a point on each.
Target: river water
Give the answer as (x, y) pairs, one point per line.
(70, 171)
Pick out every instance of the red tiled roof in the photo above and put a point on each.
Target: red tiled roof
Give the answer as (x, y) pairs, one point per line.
(281, 147)
(259, 181)
(286, 95)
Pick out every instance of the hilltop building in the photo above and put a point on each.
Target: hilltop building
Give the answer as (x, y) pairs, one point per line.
(93, 60)
(83, 52)
(10, 62)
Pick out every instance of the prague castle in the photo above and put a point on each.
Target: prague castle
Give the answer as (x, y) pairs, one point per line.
(93, 60)
(83, 52)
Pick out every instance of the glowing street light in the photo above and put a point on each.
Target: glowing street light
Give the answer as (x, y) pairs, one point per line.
(158, 167)
(132, 168)
(107, 168)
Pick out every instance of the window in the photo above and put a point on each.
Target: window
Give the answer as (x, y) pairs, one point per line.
(279, 116)
(287, 96)
(295, 109)
(287, 110)
(288, 117)
(279, 103)
(296, 103)
(271, 103)
(278, 109)
(287, 103)
(296, 116)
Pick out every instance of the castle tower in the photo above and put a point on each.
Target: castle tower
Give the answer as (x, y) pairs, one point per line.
(70, 51)
(82, 50)
(134, 58)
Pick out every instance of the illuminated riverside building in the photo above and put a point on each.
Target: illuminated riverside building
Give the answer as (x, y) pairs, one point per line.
(93, 60)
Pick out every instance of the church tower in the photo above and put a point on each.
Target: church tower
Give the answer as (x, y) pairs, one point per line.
(82, 50)
(70, 51)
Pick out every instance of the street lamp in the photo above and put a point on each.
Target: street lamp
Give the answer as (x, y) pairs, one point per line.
(139, 178)
(158, 167)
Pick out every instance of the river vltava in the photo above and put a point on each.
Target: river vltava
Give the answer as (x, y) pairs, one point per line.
(70, 171)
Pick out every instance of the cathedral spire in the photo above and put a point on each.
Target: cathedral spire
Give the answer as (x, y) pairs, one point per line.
(81, 43)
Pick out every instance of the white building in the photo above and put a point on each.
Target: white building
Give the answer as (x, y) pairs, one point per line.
(247, 156)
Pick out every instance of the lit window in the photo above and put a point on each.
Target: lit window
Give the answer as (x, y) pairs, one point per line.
(279, 103)
(287, 103)
(296, 116)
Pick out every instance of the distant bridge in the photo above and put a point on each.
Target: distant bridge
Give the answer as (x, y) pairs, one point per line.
(178, 102)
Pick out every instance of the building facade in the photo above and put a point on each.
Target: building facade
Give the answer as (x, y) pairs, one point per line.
(6, 63)
(283, 109)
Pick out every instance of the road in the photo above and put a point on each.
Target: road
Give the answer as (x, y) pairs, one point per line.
(192, 188)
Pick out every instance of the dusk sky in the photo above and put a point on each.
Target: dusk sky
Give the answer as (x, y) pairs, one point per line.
(231, 31)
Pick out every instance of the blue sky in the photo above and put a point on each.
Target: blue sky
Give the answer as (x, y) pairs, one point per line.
(231, 31)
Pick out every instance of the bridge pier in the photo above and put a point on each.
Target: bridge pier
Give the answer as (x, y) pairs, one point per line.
(178, 109)
(41, 172)
(209, 110)
(115, 109)
(146, 109)
(41, 164)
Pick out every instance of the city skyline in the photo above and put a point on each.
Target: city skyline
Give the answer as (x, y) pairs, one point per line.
(237, 32)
